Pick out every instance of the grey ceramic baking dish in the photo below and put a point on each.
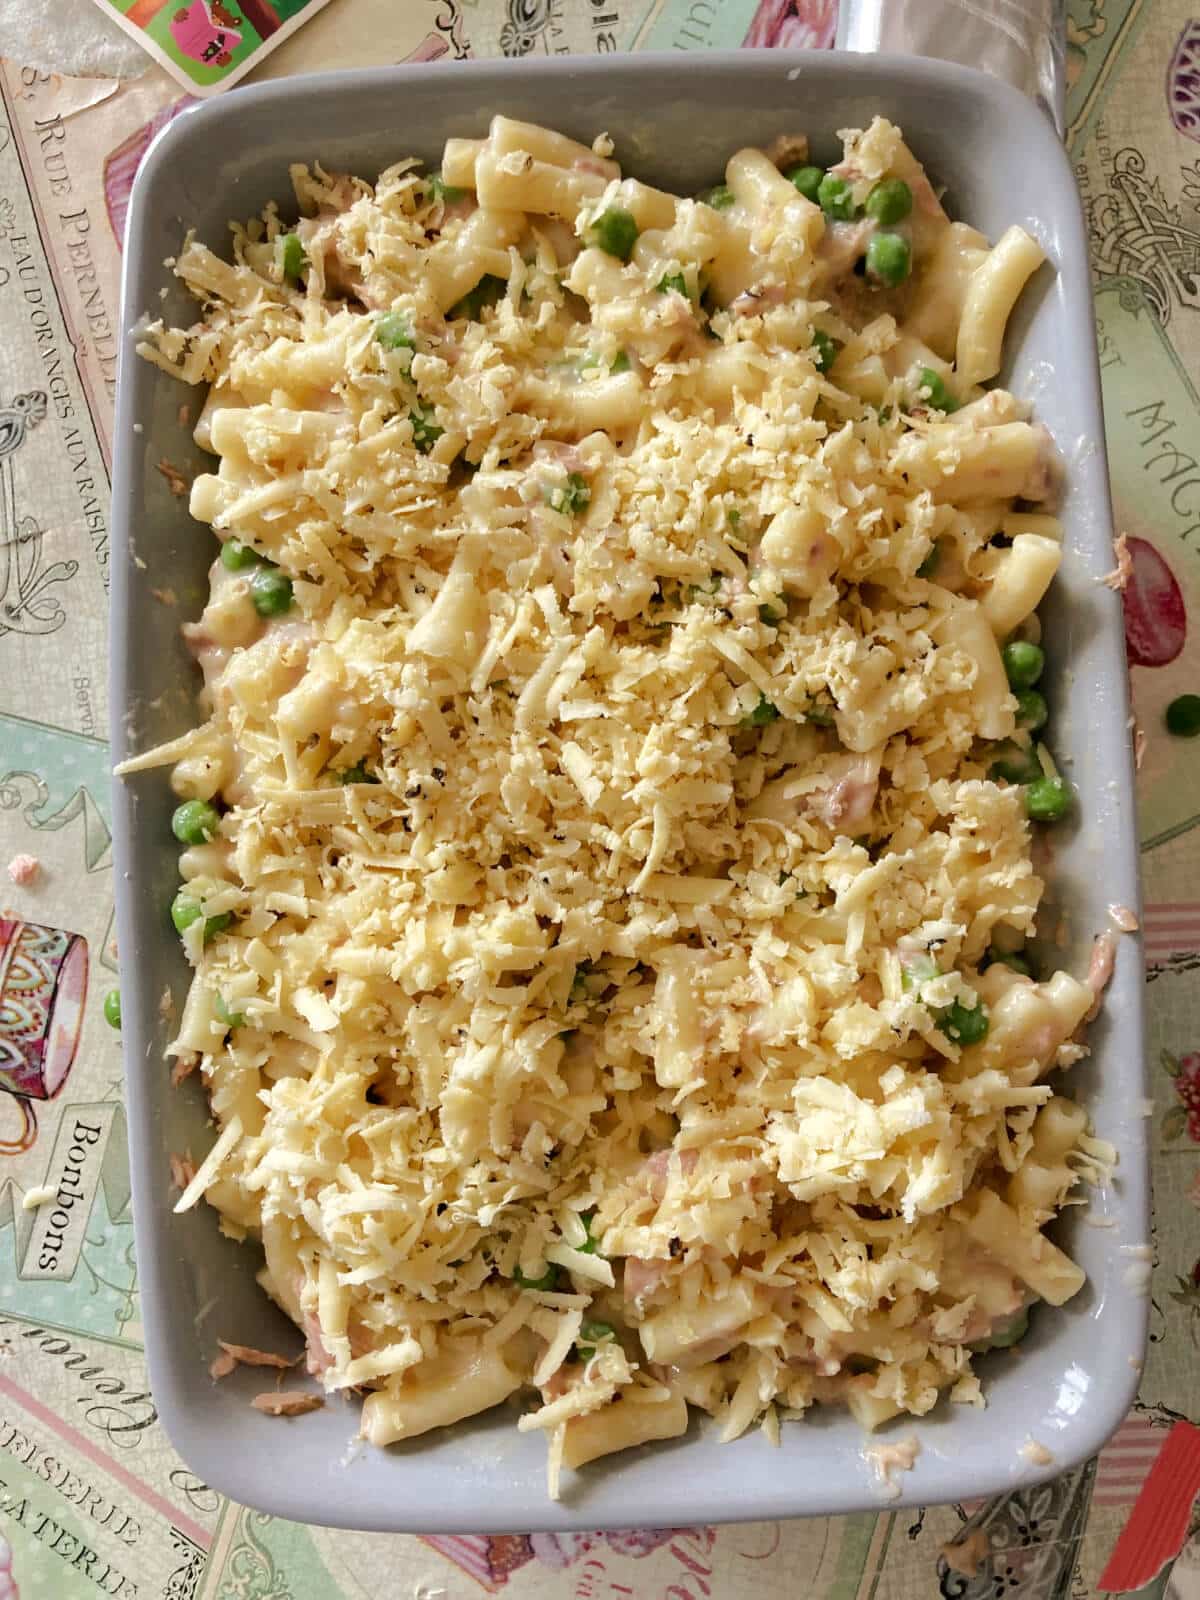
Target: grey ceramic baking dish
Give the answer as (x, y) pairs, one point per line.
(675, 120)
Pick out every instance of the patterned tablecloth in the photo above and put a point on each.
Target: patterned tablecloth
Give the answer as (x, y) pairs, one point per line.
(92, 1499)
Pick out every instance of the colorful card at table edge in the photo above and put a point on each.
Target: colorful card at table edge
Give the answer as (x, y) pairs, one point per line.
(195, 39)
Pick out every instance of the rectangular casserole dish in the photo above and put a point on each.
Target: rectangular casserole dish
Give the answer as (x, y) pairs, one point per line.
(674, 122)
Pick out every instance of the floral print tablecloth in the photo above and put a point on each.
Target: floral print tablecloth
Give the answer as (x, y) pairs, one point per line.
(92, 1498)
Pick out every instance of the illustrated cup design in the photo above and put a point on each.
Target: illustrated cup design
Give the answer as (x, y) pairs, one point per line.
(43, 987)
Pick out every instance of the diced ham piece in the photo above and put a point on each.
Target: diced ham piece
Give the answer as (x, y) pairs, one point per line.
(176, 482)
(317, 1359)
(459, 210)
(233, 1355)
(656, 1169)
(184, 1067)
(319, 236)
(1100, 969)
(287, 1403)
(845, 806)
(556, 1385)
(565, 455)
(849, 785)
(183, 1170)
(362, 1339)
(608, 170)
(642, 1277)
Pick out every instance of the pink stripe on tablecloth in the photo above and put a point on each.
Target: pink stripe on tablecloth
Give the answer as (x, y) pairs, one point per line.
(1171, 928)
(1126, 1460)
(78, 1441)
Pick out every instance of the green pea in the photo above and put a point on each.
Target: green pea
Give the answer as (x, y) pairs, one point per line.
(615, 232)
(487, 292)
(675, 281)
(917, 971)
(548, 1281)
(932, 561)
(394, 331)
(1010, 958)
(965, 1024)
(836, 198)
(719, 197)
(591, 1334)
(827, 349)
(889, 201)
(112, 1008)
(425, 430)
(889, 259)
(590, 1246)
(772, 615)
(570, 497)
(195, 822)
(620, 362)
(356, 774)
(439, 189)
(807, 180)
(579, 989)
(1003, 1337)
(237, 557)
(289, 256)
(933, 385)
(1183, 716)
(1023, 663)
(763, 714)
(185, 910)
(1047, 800)
(231, 1019)
(271, 592)
(1015, 764)
(1032, 711)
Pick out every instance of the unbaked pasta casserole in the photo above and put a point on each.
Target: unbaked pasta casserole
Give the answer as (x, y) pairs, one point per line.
(607, 863)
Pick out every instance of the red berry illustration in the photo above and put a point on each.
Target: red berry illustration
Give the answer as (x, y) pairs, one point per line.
(1187, 1089)
(1155, 619)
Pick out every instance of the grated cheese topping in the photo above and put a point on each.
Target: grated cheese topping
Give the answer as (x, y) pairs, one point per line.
(610, 830)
